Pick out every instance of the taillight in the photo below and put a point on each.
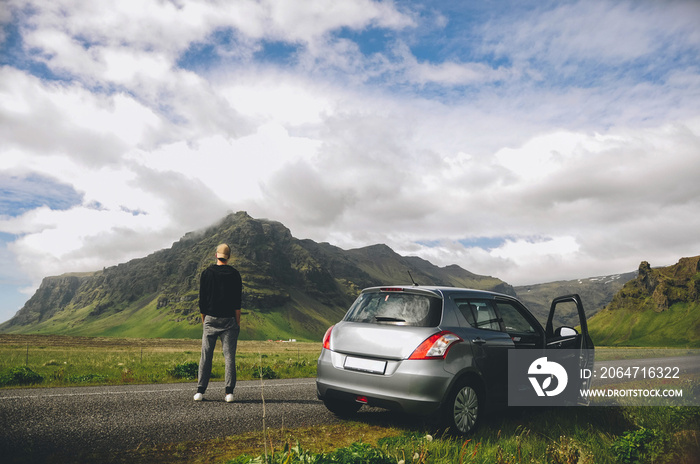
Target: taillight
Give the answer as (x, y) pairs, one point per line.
(436, 346)
(327, 338)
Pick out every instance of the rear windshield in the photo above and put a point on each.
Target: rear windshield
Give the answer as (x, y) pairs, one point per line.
(397, 309)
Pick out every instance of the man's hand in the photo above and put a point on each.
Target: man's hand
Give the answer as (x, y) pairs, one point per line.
(202, 318)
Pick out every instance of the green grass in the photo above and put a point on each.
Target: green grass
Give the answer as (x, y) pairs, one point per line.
(679, 326)
(554, 435)
(65, 361)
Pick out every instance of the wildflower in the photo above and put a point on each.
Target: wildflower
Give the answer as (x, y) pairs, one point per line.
(428, 438)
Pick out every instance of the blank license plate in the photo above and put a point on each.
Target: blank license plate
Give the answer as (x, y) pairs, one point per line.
(365, 365)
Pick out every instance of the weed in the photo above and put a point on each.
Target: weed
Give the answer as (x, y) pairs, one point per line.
(565, 451)
(187, 370)
(358, 452)
(19, 376)
(639, 446)
(86, 378)
(355, 453)
(464, 451)
(266, 372)
(127, 375)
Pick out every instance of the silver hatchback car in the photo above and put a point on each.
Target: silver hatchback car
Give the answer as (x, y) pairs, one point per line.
(427, 350)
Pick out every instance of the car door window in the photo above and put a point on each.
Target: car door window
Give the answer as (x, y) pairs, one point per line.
(512, 319)
(567, 310)
(479, 313)
(522, 327)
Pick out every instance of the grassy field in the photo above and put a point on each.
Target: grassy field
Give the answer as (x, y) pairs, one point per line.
(678, 326)
(54, 360)
(517, 435)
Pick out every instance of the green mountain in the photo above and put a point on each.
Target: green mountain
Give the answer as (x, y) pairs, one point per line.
(596, 293)
(292, 288)
(661, 307)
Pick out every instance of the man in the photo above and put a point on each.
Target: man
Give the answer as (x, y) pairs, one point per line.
(220, 290)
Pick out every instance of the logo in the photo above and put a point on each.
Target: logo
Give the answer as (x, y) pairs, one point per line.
(547, 370)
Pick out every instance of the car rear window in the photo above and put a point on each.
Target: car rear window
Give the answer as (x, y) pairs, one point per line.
(396, 308)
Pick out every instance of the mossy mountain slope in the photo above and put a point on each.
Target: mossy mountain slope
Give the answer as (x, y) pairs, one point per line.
(292, 288)
(661, 307)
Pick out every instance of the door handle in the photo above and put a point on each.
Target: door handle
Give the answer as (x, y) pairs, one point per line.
(478, 341)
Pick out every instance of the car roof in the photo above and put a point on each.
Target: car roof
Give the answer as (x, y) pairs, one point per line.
(440, 291)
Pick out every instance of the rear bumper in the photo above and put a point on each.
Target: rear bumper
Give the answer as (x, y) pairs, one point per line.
(411, 386)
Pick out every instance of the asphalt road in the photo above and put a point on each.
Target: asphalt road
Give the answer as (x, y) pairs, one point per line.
(41, 422)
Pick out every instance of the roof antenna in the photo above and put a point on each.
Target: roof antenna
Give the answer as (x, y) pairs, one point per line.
(409, 275)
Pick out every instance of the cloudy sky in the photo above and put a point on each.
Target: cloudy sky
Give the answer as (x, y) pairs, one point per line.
(528, 140)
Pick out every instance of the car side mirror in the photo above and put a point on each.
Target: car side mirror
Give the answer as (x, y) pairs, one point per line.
(566, 331)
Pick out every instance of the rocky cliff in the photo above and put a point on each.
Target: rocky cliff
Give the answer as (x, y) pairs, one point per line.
(659, 289)
(660, 307)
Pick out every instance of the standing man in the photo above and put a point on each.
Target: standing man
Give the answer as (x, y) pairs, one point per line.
(220, 290)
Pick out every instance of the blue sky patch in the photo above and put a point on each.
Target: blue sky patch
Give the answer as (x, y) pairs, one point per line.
(369, 41)
(222, 46)
(13, 53)
(277, 52)
(487, 243)
(21, 194)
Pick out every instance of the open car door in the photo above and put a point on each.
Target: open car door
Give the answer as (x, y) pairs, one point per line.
(568, 338)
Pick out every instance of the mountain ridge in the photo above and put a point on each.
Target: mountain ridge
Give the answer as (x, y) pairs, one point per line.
(292, 288)
(596, 293)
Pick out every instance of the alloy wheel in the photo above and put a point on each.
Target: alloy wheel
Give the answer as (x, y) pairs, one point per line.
(465, 412)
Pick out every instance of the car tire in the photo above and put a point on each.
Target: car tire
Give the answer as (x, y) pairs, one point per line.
(464, 409)
(342, 408)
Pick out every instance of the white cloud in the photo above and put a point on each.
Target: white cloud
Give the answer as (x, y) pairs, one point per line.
(123, 65)
(233, 169)
(524, 252)
(172, 27)
(544, 155)
(307, 21)
(454, 73)
(279, 98)
(48, 119)
(57, 239)
(574, 147)
(600, 31)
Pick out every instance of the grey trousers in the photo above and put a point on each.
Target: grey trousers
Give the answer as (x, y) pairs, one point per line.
(226, 329)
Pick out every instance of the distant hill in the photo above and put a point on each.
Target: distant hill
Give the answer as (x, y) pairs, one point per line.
(661, 307)
(292, 288)
(596, 293)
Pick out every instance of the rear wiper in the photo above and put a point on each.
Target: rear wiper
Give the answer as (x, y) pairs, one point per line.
(388, 319)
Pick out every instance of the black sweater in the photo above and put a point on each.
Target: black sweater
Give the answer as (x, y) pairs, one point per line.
(220, 290)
